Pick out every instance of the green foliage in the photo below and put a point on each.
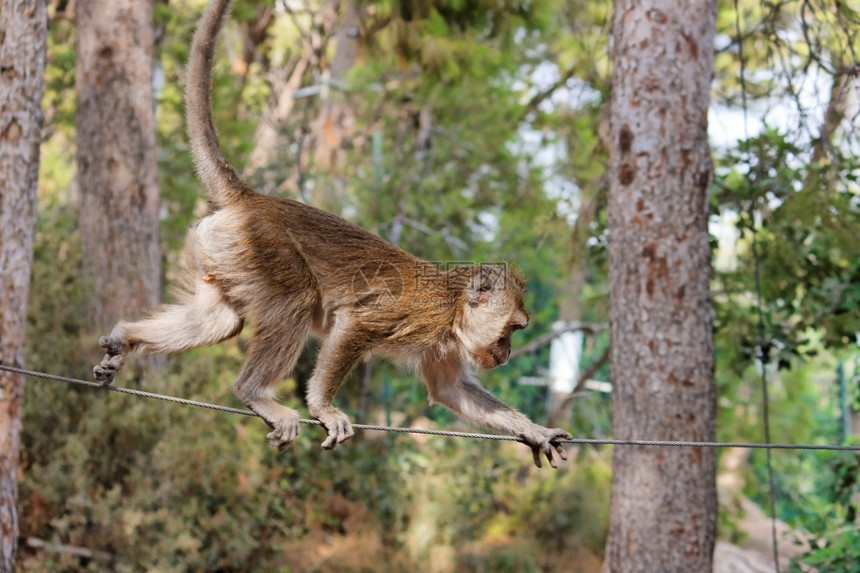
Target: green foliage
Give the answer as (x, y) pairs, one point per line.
(831, 513)
(805, 226)
(840, 553)
(452, 40)
(807, 246)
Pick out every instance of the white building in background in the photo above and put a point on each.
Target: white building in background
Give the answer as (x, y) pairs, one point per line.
(565, 354)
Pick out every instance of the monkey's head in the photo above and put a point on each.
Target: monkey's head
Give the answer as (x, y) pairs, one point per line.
(492, 310)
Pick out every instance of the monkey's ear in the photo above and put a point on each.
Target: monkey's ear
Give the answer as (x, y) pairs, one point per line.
(517, 277)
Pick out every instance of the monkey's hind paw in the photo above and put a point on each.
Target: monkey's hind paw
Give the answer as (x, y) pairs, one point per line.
(338, 426)
(105, 371)
(284, 432)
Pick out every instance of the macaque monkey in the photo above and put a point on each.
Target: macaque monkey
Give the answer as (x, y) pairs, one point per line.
(296, 270)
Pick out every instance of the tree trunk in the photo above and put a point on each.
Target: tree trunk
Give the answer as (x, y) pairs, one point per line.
(117, 172)
(663, 502)
(23, 43)
(334, 129)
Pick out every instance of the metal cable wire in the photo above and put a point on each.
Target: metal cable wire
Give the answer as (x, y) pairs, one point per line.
(446, 433)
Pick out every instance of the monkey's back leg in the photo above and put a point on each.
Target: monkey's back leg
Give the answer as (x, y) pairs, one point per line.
(202, 317)
(278, 336)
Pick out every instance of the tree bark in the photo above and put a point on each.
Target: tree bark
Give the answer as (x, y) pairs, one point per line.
(117, 171)
(335, 123)
(663, 502)
(23, 44)
(334, 129)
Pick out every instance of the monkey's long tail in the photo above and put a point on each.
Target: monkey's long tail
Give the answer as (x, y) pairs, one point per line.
(221, 180)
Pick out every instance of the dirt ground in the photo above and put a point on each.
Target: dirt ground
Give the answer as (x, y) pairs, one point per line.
(755, 553)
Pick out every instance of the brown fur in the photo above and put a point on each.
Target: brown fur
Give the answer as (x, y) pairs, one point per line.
(297, 270)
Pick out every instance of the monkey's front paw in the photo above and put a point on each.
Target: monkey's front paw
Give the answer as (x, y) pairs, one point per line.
(105, 371)
(338, 427)
(543, 441)
(284, 431)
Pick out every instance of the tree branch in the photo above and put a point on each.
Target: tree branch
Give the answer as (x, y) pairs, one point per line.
(82, 552)
(541, 96)
(579, 388)
(544, 339)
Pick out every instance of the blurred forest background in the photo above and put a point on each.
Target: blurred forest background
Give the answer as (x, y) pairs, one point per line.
(462, 131)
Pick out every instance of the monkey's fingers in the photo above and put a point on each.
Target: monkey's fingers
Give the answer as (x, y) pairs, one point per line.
(339, 429)
(544, 443)
(336, 438)
(536, 449)
(102, 375)
(561, 453)
(284, 432)
(112, 345)
(106, 370)
(560, 435)
(559, 448)
(282, 441)
(547, 451)
(536, 456)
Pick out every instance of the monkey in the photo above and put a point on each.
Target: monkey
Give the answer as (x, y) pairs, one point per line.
(296, 271)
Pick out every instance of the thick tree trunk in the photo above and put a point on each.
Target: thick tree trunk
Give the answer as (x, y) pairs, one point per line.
(663, 503)
(23, 43)
(117, 172)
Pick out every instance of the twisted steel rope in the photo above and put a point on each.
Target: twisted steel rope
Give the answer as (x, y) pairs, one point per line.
(445, 433)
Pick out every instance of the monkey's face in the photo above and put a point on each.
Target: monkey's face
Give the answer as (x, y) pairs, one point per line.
(497, 352)
(494, 310)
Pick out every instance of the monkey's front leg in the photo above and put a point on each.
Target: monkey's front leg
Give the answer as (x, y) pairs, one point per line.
(337, 357)
(453, 386)
(472, 401)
